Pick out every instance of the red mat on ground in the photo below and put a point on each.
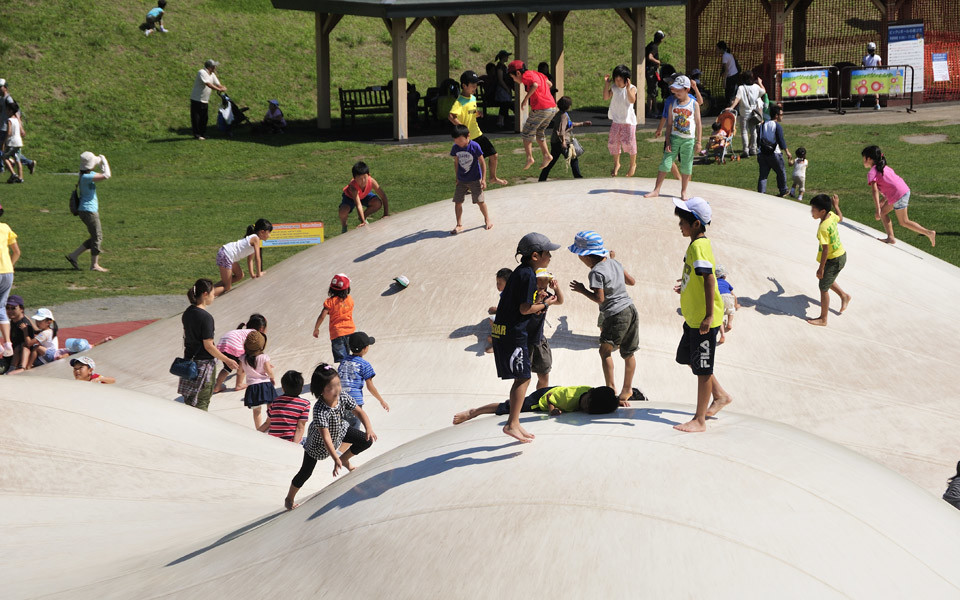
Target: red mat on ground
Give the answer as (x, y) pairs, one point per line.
(95, 333)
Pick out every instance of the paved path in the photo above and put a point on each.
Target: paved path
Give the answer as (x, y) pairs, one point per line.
(115, 309)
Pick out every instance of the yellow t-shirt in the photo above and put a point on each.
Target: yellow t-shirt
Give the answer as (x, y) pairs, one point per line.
(7, 239)
(693, 301)
(465, 110)
(566, 398)
(829, 234)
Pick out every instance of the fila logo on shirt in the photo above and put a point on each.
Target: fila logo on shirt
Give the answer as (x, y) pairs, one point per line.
(705, 354)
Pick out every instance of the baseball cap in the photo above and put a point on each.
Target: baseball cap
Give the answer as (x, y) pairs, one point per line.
(501, 54)
(340, 282)
(698, 206)
(680, 82)
(210, 63)
(3, 82)
(871, 46)
(360, 340)
(544, 274)
(515, 66)
(83, 360)
(721, 271)
(535, 242)
(469, 77)
(42, 314)
(274, 102)
(15, 300)
(589, 242)
(660, 34)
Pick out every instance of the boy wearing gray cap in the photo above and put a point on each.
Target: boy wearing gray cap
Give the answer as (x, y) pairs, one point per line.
(513, 324)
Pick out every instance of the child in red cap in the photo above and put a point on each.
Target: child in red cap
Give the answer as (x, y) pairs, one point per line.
(339, 306)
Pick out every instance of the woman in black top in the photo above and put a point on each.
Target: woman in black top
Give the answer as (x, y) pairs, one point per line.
(198, 345)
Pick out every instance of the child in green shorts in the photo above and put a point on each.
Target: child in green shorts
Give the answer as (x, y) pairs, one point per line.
(830, 253)
(683, 136)
(702, 309)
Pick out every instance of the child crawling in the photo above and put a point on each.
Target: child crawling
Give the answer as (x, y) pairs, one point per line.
(555, 400)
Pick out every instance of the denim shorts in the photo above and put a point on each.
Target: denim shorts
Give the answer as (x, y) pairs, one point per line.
(903, 202)
(6, 284)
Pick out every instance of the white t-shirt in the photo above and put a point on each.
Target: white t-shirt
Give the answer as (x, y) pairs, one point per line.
(800, 167)
(201, 93)
(15, 140)
(621, 109)
(729, 65)
(749, 95)
(47, 339)
(872, 60)
(241, 248)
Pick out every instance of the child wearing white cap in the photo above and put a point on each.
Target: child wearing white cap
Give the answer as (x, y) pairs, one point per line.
(619, 328)
(45, 349)
(83, 367)
(683, 136)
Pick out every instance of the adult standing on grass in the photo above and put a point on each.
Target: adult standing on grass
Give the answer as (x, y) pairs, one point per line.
(9, 108)
(198, 346)
(9, 255)
(652, 52)
(729, 71)
(89, 208)
(772, 144)
(200, 97)
(749, 100)
(503, 96)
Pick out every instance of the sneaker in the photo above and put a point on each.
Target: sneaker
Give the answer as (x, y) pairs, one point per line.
(800, 197)
(32, 167)
(791, 192)
(17, 180)
(13, 178)
(857, 105)
(876, 107)
(164, 29)
(147, 32)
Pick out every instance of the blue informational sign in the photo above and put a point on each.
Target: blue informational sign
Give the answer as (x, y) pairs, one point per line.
(905, 33)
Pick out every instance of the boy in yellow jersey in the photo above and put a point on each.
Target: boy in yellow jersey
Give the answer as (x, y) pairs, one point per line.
(464, 112)
(702, 309)
(555, 400)
(830, 254)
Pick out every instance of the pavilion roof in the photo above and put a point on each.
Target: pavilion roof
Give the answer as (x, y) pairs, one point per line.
(451, 8)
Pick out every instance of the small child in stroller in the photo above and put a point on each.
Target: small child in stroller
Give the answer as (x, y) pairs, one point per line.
(722, 138)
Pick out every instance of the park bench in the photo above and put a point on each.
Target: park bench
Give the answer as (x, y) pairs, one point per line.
(374, 100)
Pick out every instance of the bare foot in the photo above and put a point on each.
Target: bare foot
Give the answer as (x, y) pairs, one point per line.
(844, 303)
(888, 240)
(722, 340)
(219, 388)
(692, 426)
(289, 504)
(933, 239)
(488, 350)
(652, 194)
(347, 464)
(546, 161)
(500, 181)
(718, 404)
(729, 328)
(456, 230)
(517, 434)
(529, 163)
(818, 322)
(488, 225)
(462, 416)
(625, 400)
(631, 172)
(614, 171)
(684, 197)
(99, 268)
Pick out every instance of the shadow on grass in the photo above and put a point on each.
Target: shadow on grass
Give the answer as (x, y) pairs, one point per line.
(43, 269)
(775, 302)
(422, 469)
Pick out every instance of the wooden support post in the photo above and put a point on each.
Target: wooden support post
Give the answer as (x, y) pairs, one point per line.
(441, 27)
(556, 20)
(694, 10)
(636, 20)
(774, 59)
(800, 32)
(398, 36)
(518, 25)
(325, 23)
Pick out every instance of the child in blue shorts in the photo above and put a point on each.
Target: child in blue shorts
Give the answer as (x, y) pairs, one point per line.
(363, 193)
(511, 328)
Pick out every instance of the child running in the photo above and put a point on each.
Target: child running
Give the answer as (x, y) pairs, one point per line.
(329, 429)
(541, 357)
(883, 180)
(555, 400)
(799, 174)
(511, 329)
(259, 373)
(231, 345)
(355, 371)
(339, 307)
(830, 253)
(248, 247)
(287, 415)
(730, 303)
(561, 139)
(622, 96)
(464, 112)
(542, 109)
(702, 309)
(470, 168)
(363, 193)
(83, 367)
(619, 329)
(683, 136)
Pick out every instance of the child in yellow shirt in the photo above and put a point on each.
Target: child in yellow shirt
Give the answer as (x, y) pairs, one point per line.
(830, 254)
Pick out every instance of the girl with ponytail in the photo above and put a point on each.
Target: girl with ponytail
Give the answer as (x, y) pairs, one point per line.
(248, 247)
(883, 180)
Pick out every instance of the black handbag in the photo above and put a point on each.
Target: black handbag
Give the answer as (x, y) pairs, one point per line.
(75, 201)
(185, 368)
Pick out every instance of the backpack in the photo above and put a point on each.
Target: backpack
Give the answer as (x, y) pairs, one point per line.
(75, 200)
(765, 145)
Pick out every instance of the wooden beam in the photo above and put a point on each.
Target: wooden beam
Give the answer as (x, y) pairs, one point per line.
(627, 15)
(800, 33)
(324, 24)
(508, 22)
(556, 20)
(398, 37)
(413, 26)
(697, 7)
(535, 21)
(774, 54)
(881, 6)
(441, 26)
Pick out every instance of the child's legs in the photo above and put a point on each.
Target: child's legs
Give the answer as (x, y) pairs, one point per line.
(306, 470)
(486, 409)
(684, 180)
(343, 213)
(236, 272)
(357, 438)
(517, 392)
(542, 142)
(824, 304)
(629, 369)
(905, 221)
(458, 211)
(704, 392)
(613, 142)
(338, 347)
(226, 279)
(606, 362)
(492, 161)
(257, 416)
(483, 211)
(372, 206)
(885, 211)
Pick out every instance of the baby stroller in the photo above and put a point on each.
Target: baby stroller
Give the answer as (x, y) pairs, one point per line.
(230, 114)
(721, 141)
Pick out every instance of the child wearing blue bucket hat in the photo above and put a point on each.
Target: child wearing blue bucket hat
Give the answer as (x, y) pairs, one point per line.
(607, 283)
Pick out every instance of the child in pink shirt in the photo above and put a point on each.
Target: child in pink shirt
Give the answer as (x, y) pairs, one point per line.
(883, 180)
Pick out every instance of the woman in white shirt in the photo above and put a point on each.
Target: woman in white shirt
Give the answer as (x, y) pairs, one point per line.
(728, 71)
(748, 99)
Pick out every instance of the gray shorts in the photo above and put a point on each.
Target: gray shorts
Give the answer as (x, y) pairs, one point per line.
(903, 202)
(460, 194)
(622, 330)
(10, 152)
(729, 304)
(92, 221)
(541, 357)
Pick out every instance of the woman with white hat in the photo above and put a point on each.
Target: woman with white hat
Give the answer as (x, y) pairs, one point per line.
(89, 208)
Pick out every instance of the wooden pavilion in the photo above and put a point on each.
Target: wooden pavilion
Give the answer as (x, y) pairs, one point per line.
(520, 17)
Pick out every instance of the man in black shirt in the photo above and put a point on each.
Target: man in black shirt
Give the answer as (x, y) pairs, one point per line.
(652, 58)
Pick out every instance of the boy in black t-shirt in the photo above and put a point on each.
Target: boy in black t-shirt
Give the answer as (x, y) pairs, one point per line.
(511, 328)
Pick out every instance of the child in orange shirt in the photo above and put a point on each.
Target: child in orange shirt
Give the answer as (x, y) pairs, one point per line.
(339, 306)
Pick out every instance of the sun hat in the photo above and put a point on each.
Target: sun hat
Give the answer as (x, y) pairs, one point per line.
(721, 272)
(360, 340)
(589, 243)
(83, 360)
(254, 344)
(89, 161)
(535, 242)
(340, 282)
(42, 314)
(544, 274)
(274, 102)
(515, 66)
(469, 77)
(698, 206)
(14, 300)
(680, 82)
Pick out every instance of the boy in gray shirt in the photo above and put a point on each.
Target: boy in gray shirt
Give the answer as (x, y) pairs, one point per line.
(608, 281)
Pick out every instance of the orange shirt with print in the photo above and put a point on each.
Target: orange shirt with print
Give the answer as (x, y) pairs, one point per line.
(341, 316)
